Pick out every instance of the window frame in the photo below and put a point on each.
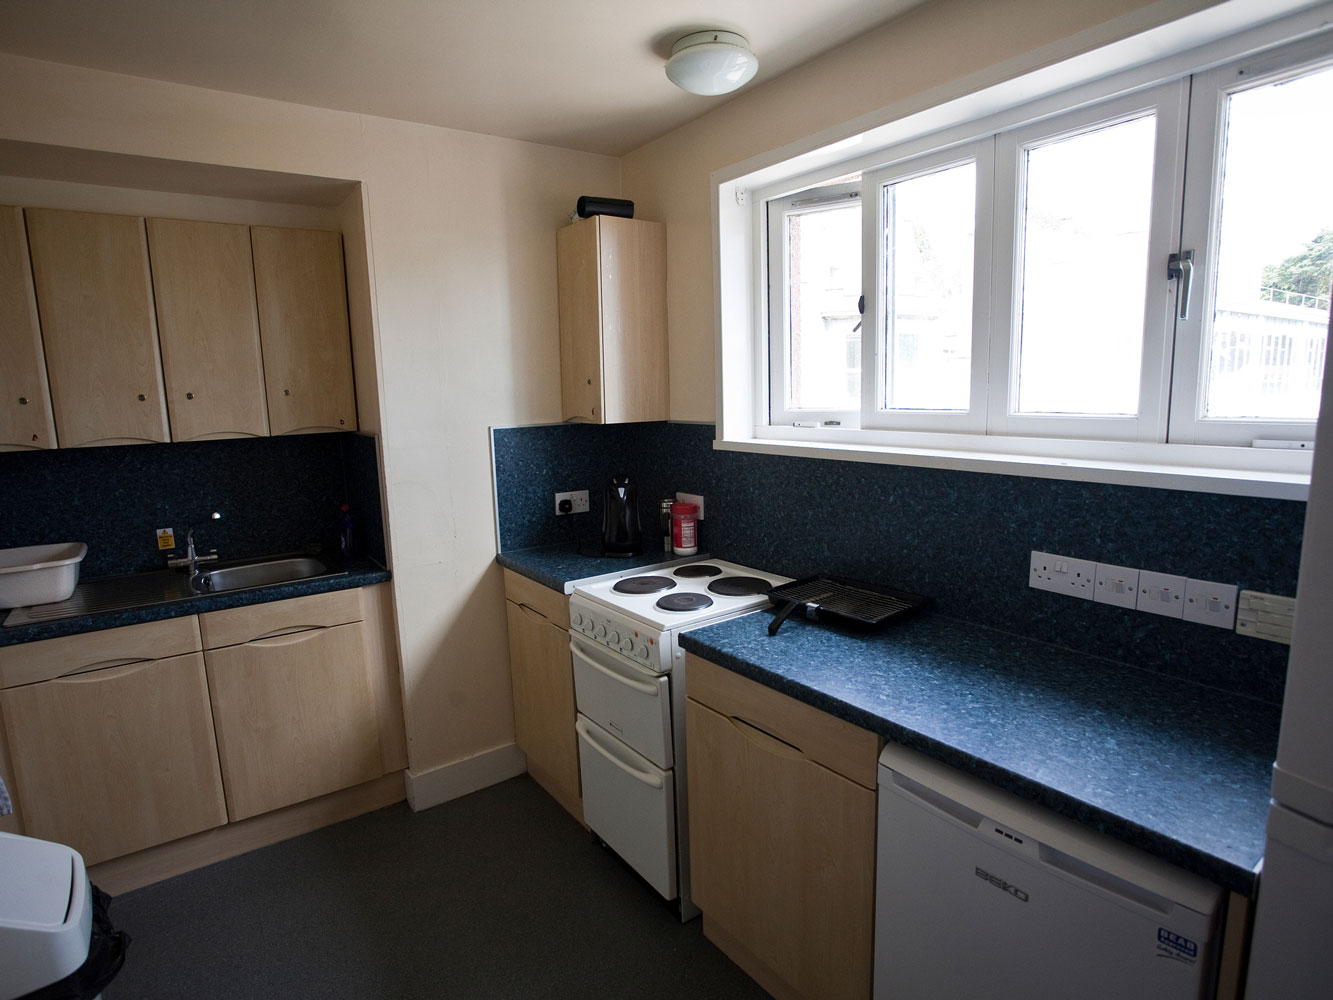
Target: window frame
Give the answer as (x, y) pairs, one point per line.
(874, 346)
(778, 312)
(1107, 62)
(1200, 232)
(1168, 102)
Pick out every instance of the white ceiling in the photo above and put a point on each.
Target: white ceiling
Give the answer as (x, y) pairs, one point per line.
(583, 74)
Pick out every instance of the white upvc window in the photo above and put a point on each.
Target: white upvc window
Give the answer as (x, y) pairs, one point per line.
(1073, 275)
(1258, 219)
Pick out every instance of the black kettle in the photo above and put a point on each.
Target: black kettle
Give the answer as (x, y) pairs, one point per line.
(620, 519)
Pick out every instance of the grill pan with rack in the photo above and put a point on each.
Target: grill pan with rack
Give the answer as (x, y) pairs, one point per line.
(842, 602)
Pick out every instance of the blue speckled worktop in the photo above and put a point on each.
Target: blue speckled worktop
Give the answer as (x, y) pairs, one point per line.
(361, 574)
(558, 566)
(1175, 768)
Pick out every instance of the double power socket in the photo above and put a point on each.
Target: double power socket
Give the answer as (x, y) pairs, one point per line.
(1156, 593)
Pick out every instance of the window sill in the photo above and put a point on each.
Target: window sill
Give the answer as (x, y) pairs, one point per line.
(1253, 472)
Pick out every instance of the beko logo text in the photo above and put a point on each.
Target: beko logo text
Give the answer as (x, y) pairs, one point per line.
(1000, 883)
(1177, 942)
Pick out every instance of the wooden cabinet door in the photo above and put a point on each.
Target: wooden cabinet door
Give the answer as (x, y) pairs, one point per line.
(302, 297)
(578, 274)
(783, 855)
(95, 299)
(26, 420)
(295, 717)
(542, 675)
(208, 326)
(611, 274)
(632, 256)
(116, 760)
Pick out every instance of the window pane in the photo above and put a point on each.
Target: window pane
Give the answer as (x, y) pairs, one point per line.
(1084, 270)
(824, 282)
(1274, 247)
(929, 223)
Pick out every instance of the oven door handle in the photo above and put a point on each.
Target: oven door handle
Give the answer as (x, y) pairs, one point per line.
(643, 687)
(645, 777)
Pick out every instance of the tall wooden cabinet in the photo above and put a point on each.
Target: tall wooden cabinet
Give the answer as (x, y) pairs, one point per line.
(302, 295)
(208, 326)
(542, 674)
(782, 835)
(26, 420)
(99, 328)
(613, 337)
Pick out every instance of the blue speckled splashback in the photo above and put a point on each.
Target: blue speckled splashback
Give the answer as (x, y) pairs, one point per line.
(963, 538)
(275, 494)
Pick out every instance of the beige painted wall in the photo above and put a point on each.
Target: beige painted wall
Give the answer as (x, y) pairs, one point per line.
(462, 252)
(941, 50)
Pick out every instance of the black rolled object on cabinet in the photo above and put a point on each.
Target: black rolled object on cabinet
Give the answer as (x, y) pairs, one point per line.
(587, 206)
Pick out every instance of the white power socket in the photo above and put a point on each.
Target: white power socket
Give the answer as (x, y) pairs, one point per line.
(1062, 575)
(1118, 585)
(1161, 594)
(1210, 603)
(578, 500)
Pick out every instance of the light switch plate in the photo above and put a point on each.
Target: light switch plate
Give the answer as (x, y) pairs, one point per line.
(1062, 575)
(1161, 594)
(1118, 585)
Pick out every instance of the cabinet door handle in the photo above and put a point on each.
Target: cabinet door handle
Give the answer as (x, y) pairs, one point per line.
(647, 778)
(532, 612)
(288, 637)
(106, 671)
(765, 740)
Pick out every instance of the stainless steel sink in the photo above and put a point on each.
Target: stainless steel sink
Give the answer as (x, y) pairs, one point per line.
(261, 573)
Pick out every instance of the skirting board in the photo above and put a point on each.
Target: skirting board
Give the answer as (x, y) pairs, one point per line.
(461, 777)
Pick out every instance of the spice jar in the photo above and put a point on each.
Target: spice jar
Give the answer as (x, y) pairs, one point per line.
(685, 528)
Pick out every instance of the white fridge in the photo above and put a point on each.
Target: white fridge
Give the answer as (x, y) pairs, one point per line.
(1292, 949)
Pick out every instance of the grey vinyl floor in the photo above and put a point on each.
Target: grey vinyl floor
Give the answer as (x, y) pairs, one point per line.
(497, 894)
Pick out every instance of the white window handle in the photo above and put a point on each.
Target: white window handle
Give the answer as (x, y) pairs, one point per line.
(645, 777)
(1181, 266)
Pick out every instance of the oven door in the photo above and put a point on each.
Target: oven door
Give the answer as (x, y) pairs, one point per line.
(630, 803)
(629, 702)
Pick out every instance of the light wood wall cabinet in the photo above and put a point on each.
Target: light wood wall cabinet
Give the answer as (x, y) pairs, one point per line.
(302, 294)
(26, 420)
(782, 835)
(613, 337)
(99, 330)
(110, 756)
(293, 703)
(542, 674)
(208, 326)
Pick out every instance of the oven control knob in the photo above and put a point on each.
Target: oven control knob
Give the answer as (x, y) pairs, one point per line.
(576, 620)
(627, 644)
(601, 631)
(614, 638)
(641, 652)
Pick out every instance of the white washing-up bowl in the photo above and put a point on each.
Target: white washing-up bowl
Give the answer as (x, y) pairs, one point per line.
(39, 574)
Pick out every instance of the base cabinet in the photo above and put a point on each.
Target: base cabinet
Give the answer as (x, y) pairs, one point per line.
(292, 702)
(115, 760)
(542, 675)
(782, 845)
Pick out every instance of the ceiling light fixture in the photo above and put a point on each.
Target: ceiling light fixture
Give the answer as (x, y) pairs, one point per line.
(711, 63)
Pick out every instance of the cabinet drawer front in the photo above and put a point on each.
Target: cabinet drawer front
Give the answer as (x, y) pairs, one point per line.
(782, 852)
(72, 654)
(113, 761)
(259, 621)
(850, 750)
(295, 718)
(550, 604)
